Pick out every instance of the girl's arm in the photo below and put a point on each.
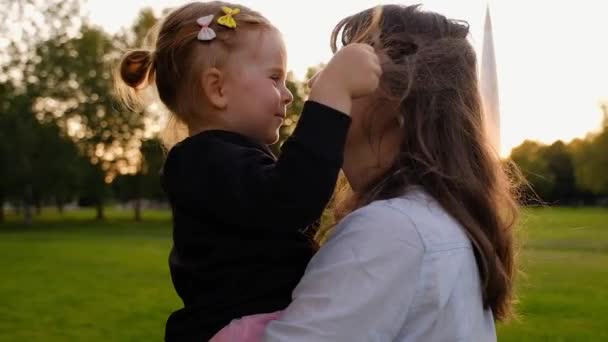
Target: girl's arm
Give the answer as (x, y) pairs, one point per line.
(247, 188)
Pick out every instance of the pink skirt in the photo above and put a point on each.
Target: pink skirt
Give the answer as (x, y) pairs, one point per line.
(246, 329)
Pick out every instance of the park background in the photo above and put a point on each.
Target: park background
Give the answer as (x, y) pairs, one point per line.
(85, 229)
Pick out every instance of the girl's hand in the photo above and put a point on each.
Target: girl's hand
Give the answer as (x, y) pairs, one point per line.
(353, 72)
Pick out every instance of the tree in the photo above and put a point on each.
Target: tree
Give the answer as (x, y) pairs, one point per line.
(530, 158)
(38, 162)
(55, 161)
(561, 168)
(6, 177)
(78, 97)
(18, 128)
(144, 184)
(142, 27)
(26, 23)
(10, 163)
(152, 163)
(591, 159)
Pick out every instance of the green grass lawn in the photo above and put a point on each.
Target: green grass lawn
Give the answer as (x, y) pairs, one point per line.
(69, 278)
(563, 291)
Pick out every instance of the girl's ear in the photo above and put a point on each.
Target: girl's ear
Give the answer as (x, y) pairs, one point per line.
(213, 87)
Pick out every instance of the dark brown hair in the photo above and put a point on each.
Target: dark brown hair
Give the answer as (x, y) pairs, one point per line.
(177, 59)
(430, 79)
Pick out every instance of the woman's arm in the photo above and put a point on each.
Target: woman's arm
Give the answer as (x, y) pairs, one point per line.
(360, 284)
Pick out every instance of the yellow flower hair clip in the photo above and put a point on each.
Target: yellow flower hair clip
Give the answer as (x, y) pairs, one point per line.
(227, 20)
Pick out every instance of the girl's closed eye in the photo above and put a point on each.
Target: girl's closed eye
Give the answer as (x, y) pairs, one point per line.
(276, 78)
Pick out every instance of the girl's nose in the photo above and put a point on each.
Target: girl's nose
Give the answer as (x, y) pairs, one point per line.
(288, 96)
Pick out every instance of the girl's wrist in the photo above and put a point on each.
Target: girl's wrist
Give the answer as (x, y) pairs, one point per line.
(334, 97)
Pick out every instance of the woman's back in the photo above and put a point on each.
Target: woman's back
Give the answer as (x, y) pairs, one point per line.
(448, 301)
(395, 270)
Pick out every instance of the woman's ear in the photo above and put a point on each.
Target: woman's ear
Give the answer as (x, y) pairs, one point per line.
(213, 86)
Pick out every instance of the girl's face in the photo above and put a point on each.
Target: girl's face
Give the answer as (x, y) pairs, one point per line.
(255, 89)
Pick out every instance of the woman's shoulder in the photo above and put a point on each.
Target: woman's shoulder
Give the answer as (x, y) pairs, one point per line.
(370, 237)
(415, 217)
(377, 224)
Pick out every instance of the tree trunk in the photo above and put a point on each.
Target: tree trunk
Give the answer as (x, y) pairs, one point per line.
(100, 214)
(137, 207)
(27, 205)
(38, 205)
(59, 203)
(1, 208)
(137, 204)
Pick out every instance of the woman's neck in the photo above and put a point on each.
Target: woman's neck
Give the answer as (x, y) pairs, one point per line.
(367, 160)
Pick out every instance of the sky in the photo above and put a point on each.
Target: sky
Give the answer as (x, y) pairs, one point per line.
(551, 56)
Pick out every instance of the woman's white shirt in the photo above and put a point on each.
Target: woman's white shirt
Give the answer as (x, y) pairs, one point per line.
(395, 270)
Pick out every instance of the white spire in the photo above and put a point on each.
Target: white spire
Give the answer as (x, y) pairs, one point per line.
(489, 84)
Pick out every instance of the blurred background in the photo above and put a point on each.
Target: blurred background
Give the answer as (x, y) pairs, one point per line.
(85, 228)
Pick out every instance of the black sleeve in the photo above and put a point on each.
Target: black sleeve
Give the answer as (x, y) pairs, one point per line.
(251, 189)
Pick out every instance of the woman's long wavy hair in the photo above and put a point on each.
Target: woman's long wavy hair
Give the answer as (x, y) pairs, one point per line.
(430, 76)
